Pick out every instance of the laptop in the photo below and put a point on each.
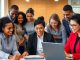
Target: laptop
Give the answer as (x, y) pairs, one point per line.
(53, 51)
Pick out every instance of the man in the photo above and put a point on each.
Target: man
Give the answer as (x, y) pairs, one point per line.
(39, 36)
(13, 12)
(67, 12)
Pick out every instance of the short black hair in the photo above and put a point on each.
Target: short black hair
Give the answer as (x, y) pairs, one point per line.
(24, 18)
(39, 21)
(15, 7)
(67, 8)
(30, 10)
(76, 18)
(41, 17)
(3, 22)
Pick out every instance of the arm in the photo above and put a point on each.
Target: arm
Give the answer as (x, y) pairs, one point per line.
(15, 50)
(2, 53)
(64, 35)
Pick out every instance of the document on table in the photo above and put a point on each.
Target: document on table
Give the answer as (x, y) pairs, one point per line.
(33, 57)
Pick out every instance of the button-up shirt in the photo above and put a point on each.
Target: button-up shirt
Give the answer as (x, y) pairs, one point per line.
(7, 46)
(39, 45)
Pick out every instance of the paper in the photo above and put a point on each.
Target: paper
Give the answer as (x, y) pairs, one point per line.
(33, 57)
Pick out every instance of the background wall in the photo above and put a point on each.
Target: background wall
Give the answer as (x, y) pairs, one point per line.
(42, 7)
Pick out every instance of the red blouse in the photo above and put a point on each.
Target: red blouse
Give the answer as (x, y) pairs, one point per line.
(69, 46)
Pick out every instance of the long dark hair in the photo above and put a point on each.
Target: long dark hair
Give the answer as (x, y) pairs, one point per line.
(24, 18)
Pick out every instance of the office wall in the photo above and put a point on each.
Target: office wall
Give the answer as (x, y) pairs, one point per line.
(42, 7)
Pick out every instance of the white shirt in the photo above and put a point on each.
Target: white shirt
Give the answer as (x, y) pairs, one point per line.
(39, 44)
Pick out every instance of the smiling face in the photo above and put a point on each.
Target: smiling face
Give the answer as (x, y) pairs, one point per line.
(39, 29)
(74, 26)
(67, 14)
(53, 23)
(8, 29)
(13, 13)
(20, 18)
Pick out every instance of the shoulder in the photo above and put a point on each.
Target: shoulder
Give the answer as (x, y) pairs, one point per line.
(47, 34)
(1, 35)
(33, 34)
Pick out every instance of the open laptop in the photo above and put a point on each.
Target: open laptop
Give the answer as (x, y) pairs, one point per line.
(53, 51)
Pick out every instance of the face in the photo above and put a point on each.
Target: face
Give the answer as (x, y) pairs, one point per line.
(39, 29)
(29, 17)
(20, 19)
(67, 14)
(8, 29)
(74, 26)
(13, 13)
(53, 23)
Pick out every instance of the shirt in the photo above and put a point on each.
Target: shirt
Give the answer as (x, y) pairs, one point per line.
(39, 45)
(7, 46)
(29, 28)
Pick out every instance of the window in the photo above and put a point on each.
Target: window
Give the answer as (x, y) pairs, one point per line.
(3, 8)
(75, 4)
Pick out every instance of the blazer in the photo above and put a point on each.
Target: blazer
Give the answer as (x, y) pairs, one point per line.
(67, 27)
(69, 46)
(32, 42)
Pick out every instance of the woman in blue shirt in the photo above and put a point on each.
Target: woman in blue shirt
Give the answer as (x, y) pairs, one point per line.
(8, 48)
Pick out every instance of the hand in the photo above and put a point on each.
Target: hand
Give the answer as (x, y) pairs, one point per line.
(21, 42)
(16, 57)
(68, 55)
(25, 54)
(42, 55)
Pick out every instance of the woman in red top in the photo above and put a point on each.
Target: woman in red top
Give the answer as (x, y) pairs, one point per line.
(72, 47)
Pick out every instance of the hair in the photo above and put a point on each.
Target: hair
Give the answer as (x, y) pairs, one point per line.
(76, 18)
(3, 22)
(15, 7)
(24, 18)
(30, 10)
(39, 21)
(56, 18)
(67, 8)
(41, 17)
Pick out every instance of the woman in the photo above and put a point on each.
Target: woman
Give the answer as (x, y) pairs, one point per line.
(29, 26)
(20, 31)
(36, 39)
(8, 48)
(56, 29)
(72, 47)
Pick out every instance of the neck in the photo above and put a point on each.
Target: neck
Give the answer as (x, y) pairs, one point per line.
(7, 36)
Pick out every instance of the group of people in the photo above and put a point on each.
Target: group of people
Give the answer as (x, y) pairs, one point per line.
(21, 34)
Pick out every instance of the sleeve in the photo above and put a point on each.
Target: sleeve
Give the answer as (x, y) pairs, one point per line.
(64, 36)
(76, 55)
(67, 45)
(15, 50)
(2, 53)
(47, 29)
(29, 44)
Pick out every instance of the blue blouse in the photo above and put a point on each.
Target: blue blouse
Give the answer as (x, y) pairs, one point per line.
(7, 46)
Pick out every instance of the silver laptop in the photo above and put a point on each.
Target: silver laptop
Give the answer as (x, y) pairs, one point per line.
(53, 51)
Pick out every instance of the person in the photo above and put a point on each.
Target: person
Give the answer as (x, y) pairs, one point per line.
(67, 12)
(35, 39)
(29, 26)
(8, 48)
(56, 29)
(20, 31)
(72, 47)
(13, 12)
